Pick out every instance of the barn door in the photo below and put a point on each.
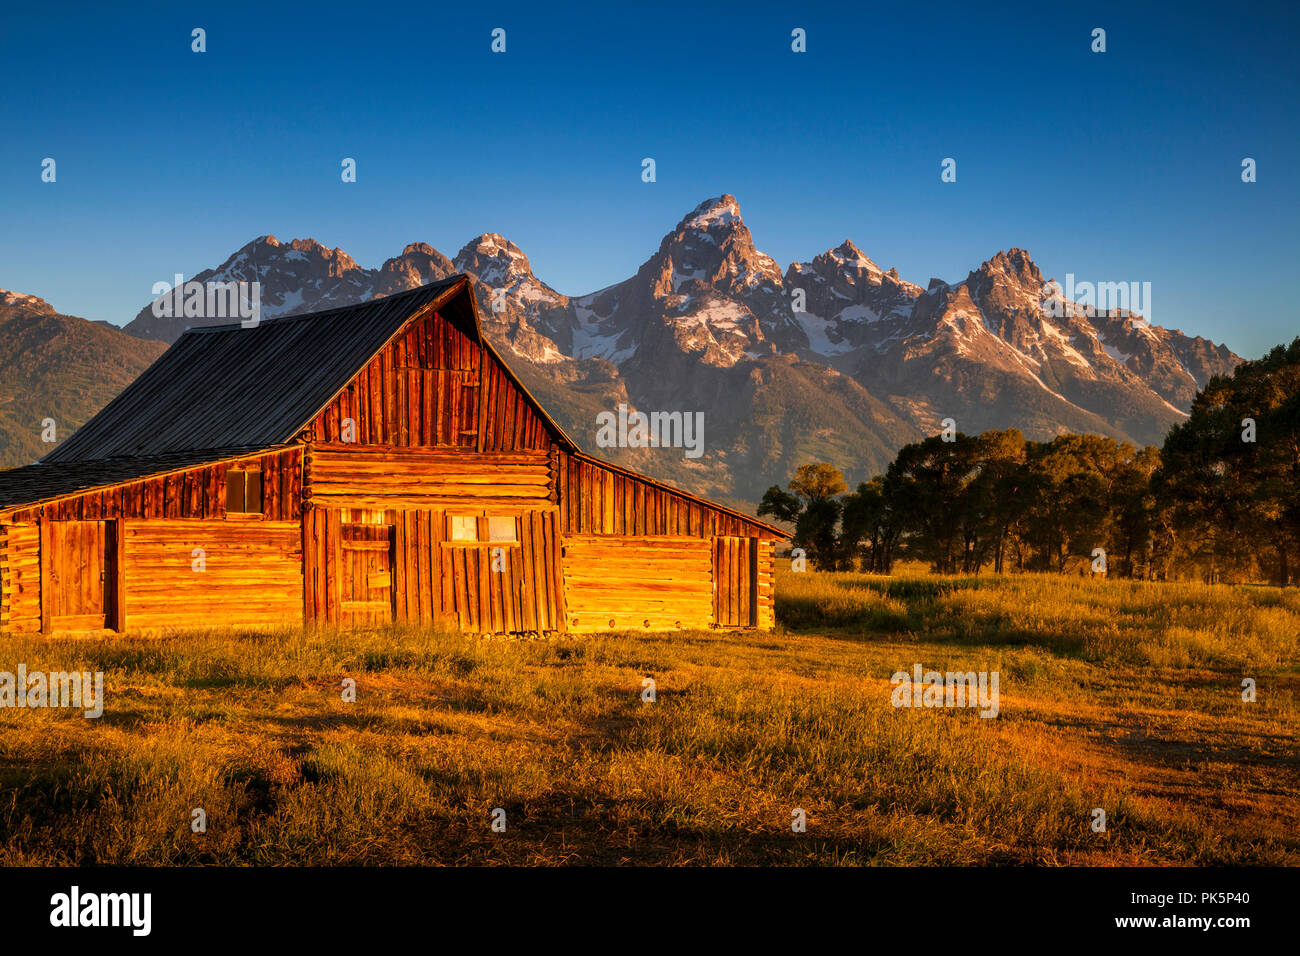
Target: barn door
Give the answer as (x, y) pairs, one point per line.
(77, 574)
(366, 574)
(735, 581)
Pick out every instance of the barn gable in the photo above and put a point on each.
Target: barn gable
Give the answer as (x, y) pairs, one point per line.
(437, 383)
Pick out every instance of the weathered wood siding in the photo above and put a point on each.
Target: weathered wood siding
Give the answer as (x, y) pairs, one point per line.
(618, 581)
(595, 498)
(252, 573)
(192, 493)
(436, 580)
(433, 385)
(20, 578)
(494, 588)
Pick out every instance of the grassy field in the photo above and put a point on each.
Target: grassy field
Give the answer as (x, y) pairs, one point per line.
(1114, 695)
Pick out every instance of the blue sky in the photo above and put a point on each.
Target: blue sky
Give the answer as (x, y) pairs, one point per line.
(1122, 166)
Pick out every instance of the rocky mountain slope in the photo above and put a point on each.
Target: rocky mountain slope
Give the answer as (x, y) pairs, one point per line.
(58, 367)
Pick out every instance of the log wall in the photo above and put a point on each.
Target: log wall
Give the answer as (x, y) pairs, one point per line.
(617, 581)
(359, 476)
(605, 512)
(252, 573)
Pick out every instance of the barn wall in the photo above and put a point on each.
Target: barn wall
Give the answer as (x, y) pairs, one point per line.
(601, 533)
(20, 578)
(252, 573)
(431, 581)
(618, 581)
(193, 493)
(596, 500)
(433, 386)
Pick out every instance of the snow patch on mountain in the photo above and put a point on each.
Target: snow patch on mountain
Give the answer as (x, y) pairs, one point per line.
(21, 299)
(823, 337)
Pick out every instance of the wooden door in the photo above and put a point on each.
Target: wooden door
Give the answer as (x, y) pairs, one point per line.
(77, 575)
(735, 581)
(366, 574)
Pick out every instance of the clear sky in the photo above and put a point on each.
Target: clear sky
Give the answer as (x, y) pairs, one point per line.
(1119, 166)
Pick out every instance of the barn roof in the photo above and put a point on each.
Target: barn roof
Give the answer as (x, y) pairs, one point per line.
(226, 386)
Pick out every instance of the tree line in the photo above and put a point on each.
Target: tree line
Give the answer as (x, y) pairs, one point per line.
(1218, 500)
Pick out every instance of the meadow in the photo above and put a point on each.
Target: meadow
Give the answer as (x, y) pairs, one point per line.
(1114, 695)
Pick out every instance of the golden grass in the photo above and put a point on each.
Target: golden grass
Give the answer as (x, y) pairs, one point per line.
(1119, 695)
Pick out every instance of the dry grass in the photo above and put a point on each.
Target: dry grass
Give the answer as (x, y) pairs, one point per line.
(1118, 695)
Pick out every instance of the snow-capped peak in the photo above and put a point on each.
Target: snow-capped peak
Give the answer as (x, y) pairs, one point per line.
(502, 266)
(494, 244)
(711, 213)
(494, 259)
(848, 254)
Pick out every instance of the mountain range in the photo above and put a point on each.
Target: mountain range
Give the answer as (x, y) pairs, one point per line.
(834, 359)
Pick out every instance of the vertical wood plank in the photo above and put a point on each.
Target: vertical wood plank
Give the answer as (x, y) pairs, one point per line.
(334, 566)
(118, 536)
(397, 567)
(47, 574)
(308, 567)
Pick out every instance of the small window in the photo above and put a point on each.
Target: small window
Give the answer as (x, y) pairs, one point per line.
(464, 528)
(471, 529)
(243, 492)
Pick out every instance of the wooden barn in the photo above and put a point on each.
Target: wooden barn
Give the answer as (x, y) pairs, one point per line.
(368, 464)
